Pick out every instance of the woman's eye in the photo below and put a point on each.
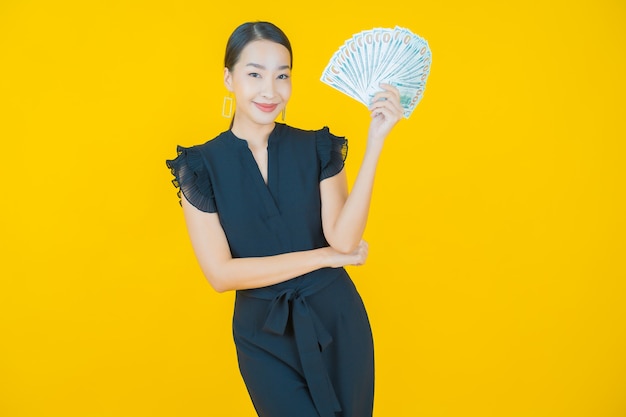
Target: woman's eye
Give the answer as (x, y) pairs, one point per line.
(283, 76)
(254, 74)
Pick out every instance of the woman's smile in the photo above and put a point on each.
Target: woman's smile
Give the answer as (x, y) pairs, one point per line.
(266, 107)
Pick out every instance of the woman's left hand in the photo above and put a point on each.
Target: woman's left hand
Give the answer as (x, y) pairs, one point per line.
(386, 111)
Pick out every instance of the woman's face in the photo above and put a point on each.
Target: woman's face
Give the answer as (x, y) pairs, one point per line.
(261, 82)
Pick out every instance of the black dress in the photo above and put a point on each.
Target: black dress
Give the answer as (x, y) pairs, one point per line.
(304, 346)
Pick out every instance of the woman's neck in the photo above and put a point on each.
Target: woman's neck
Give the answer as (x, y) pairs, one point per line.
(256, 135)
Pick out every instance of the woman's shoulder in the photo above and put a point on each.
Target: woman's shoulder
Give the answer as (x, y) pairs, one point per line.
(216, 147)
(320, 137)
(217, 142)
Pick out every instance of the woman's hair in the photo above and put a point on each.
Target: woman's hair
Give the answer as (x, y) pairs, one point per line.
(249, 32)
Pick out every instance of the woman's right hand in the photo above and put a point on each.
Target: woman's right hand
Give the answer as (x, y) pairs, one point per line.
(356, 257)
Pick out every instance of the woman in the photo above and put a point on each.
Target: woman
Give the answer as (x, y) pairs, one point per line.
(268, 213)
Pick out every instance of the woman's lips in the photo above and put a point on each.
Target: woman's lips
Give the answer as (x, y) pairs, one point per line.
(268, 108)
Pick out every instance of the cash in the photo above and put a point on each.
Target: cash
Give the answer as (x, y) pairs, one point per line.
(381, 55)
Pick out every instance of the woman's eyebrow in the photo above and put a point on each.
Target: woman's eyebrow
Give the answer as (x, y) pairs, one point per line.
(259, 66)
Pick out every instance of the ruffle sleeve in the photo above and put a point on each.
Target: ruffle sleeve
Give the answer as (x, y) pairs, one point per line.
(192, 178)
(331, 151)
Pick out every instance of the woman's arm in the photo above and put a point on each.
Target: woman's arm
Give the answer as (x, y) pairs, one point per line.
(226, 273)
(344, 216)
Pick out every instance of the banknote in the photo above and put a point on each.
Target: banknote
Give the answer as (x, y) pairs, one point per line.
(395, 56)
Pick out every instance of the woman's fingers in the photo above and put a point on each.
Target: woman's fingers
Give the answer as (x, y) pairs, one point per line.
(389, 111)
(389, 92)
(361, 252)
(357, 257)
(388, 99)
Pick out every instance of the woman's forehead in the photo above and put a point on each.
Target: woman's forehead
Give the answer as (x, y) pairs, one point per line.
(265, 54)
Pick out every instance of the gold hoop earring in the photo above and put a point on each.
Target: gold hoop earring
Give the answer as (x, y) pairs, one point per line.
(227, 104)
(283, 114)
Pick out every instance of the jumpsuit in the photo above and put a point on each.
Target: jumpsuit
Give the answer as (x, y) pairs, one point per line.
(304, 346)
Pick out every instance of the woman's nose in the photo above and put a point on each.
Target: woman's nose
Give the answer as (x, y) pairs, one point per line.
(268, 88)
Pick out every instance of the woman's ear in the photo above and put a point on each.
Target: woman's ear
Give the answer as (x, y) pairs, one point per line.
(228, 79)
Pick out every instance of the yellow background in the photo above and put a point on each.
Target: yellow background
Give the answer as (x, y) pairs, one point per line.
(496, 278)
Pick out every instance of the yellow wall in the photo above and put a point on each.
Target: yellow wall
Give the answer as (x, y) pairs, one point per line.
(496, 280)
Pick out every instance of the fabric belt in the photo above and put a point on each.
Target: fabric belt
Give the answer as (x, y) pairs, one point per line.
(310, 335)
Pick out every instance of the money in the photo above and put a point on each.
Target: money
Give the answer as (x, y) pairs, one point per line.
(381, 55)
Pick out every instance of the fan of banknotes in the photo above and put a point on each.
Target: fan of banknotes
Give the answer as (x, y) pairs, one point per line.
(393, 56)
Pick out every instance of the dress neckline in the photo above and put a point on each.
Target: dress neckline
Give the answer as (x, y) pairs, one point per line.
(274, 134)
(247, 159)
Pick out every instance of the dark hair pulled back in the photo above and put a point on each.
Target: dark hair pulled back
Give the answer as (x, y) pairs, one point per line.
(249, 32)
